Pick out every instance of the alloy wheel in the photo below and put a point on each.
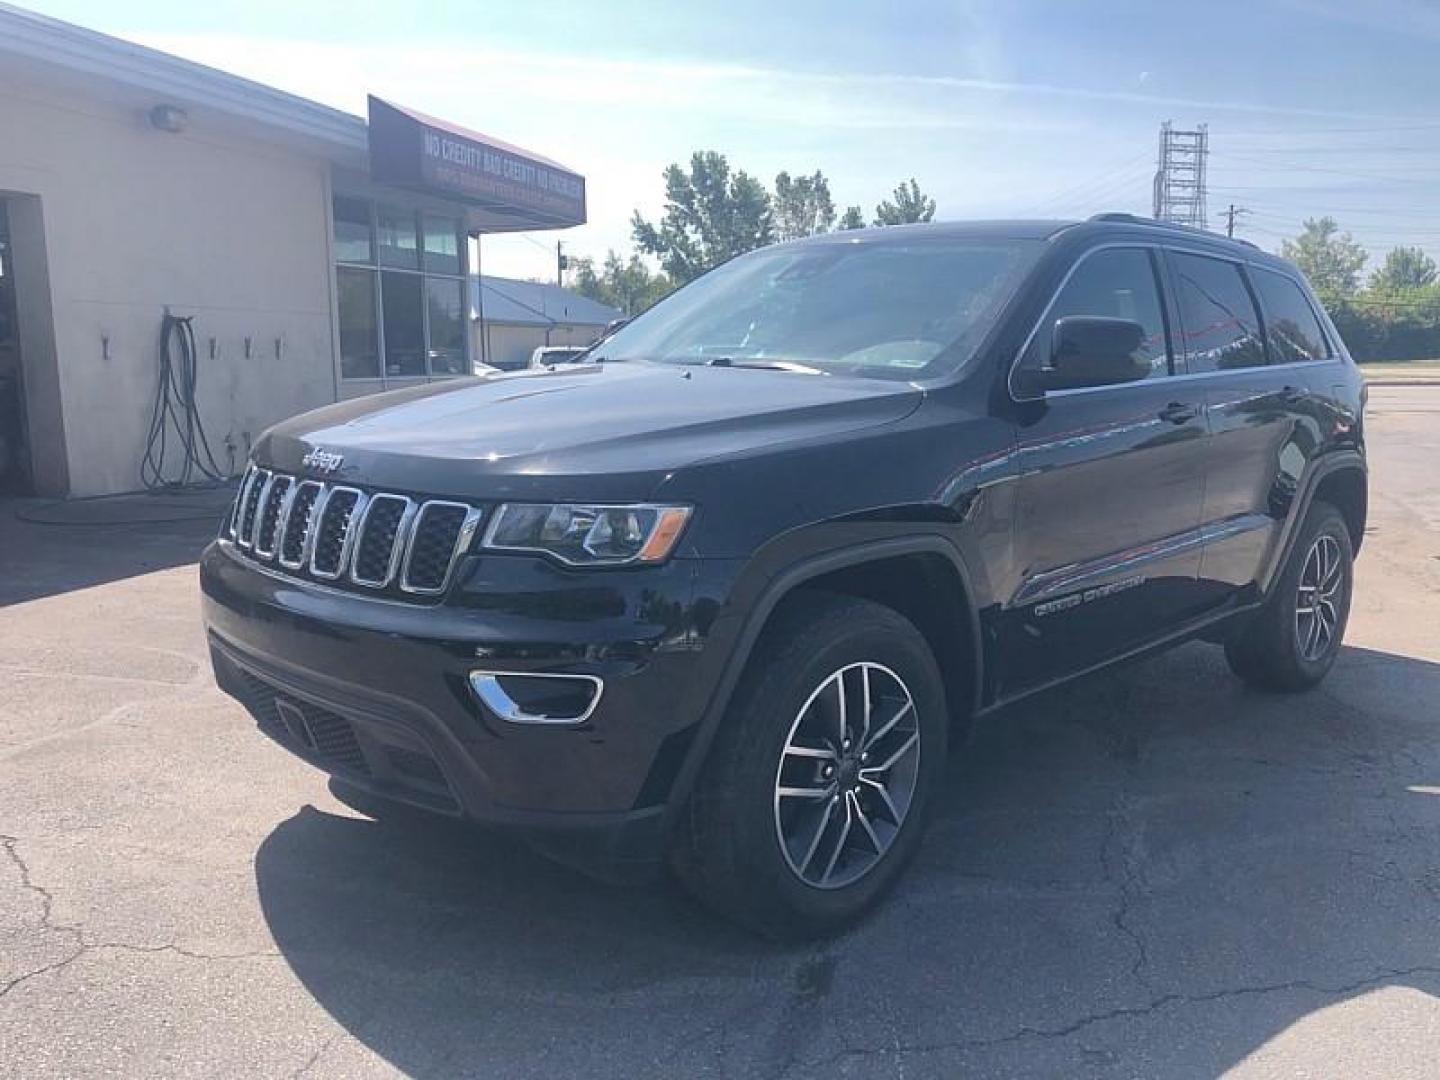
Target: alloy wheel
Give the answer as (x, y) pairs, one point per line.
(847, 775)
(1317, 603)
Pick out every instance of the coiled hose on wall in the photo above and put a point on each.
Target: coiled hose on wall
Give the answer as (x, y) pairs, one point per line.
(175, 410)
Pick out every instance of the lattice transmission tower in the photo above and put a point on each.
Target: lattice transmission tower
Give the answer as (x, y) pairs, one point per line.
(1180, 176)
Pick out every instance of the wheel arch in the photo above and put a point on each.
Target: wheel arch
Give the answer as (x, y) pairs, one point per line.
(863, 570)
(1339, 478)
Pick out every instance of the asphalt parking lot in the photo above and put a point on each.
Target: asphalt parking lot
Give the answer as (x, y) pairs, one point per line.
(1155, 873)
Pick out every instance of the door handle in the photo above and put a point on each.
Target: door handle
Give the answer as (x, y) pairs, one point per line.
(1293, 395)
(1179, 412)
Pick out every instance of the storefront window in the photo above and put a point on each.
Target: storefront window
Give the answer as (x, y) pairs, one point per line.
(359, 345)
(404, 324)
(397, 238)
(409, 320)
(353, 242)
(444, 301)
(442, 244)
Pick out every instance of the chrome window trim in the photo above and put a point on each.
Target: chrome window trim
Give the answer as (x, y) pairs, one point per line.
(462, 544)
(1109, 245)
(246, 537)
(347, 541)
(262, 553)
(1179, 249)
(305, 541)
(486, 685)
(1307, 365)
(397, 546)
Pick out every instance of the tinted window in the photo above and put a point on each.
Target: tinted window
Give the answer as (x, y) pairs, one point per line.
(404, 324)
(1114, 283)
(1291, 326)
(359, 344)
(352, 231)
(1221, 326)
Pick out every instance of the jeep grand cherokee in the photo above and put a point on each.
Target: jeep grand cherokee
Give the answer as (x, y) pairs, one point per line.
(720, 595)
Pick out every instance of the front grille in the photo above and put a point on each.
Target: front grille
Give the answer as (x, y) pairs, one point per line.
(350, 538)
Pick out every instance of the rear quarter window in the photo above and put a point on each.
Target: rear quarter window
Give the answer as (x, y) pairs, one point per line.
(1292, 329)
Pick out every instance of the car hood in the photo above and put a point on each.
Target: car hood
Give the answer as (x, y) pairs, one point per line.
(587, 432)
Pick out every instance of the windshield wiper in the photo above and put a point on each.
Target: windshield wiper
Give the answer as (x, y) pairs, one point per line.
(764, 365)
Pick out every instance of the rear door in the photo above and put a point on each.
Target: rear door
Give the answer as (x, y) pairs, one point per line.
(1252, 333)
(1108, 506)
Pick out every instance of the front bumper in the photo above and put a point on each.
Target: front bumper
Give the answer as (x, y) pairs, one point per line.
(377, 691)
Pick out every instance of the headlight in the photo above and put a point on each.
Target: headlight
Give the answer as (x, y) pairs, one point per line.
(585, 535)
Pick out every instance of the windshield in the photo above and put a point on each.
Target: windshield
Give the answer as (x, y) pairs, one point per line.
(891, 310)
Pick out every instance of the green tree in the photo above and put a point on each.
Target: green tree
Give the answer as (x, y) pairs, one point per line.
(853, 218)
(629, 285)
(711, 215)
(803, 206)
(1332, 260)
(908, 205)
(1405, 269)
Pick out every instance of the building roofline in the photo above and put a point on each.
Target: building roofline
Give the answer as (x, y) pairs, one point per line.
(50, 41)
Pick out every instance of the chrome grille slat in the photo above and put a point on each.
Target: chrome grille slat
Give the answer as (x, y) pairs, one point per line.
(324, 563)
(294, 549)
(249, 505)
(267, 519)
(386, 549)
(340, 535)
(423, 578)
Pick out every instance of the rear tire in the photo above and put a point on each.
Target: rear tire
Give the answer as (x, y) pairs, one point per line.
(1293, 640)
(795, 830)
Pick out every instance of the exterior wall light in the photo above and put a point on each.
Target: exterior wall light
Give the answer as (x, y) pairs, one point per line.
(169, 118)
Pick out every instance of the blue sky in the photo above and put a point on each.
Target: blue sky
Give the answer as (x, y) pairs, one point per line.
(998, 107)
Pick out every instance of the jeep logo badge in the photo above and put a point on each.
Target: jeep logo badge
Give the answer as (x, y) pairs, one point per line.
(322, 460)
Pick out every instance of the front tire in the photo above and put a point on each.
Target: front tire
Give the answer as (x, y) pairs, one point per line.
(822, 776)
(1293, 640)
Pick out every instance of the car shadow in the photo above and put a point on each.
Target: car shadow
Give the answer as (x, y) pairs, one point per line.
(1157, 871)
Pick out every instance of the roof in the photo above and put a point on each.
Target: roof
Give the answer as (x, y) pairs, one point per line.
(172, 80)
(536, 303)
(49, 41)
(1100, 224)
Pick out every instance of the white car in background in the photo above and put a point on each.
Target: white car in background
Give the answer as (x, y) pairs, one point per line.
(550, 355)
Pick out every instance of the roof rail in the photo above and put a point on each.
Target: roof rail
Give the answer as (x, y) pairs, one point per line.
(1136, 219)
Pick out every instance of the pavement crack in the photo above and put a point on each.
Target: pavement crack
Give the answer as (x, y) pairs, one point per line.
(47, 904)
(315, 1057)
(1155, 1005)
(1120, 858)
(77, 935)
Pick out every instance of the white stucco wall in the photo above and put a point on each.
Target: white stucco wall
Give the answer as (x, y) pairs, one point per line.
(232, 231)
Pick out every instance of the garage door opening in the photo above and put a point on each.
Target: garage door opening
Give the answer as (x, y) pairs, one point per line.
(14, 441)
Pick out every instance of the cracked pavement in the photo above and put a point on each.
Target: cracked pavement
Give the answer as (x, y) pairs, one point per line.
(1153, 873)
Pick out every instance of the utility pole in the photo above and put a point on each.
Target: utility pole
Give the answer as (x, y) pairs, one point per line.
(1230, 215)
(1180, 176)
(562, 263)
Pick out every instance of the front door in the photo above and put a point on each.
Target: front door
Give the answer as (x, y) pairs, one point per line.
(1106, 536)
(14, 458)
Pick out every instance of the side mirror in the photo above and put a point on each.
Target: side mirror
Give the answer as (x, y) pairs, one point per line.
(1091, 351)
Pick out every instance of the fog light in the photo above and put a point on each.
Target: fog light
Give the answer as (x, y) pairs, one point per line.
(530, 698)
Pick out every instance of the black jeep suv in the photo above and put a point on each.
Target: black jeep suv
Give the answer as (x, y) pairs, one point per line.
(720, 595)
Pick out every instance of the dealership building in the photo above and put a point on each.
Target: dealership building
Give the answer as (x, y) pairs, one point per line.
(312, 255)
